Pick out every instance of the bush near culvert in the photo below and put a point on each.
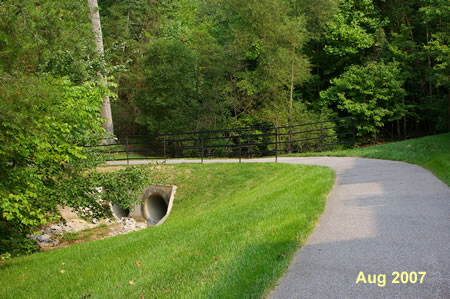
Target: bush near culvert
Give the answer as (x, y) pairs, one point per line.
(43, 164)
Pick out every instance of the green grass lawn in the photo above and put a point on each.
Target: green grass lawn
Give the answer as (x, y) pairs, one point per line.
(231, 234)
(432, 152)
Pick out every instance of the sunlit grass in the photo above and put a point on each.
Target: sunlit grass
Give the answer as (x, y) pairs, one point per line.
(432, 152)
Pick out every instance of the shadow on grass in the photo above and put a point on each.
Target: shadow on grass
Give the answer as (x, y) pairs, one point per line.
(253, 275)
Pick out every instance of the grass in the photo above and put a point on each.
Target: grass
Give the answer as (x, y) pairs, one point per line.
(432, 153)
(232, 232)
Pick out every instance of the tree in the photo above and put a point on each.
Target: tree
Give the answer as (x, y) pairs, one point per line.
(128, 27)
(41, 145)
(97, 30)
(45, 125)
(167, 103)
(372, 94)
(263, 42)
(433, 14)
(47, 37)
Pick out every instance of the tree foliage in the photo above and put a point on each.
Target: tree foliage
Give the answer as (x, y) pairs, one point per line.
(47, 36)
(167, 100)
(42, 143)
(372, 94)
(44, 159)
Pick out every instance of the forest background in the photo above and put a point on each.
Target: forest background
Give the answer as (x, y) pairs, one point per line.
(181, 65)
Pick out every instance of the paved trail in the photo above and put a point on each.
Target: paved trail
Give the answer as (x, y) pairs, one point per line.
(381, 217)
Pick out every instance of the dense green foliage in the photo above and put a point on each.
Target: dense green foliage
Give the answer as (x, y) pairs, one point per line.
(372, 94)
(44, 163)
(251, 62)
(49, 111)
(41, 148)
(122, 187)
(228, 236)
(166, 102)
(205, 64)
(47, 36)
(431, 152)
(41, 143)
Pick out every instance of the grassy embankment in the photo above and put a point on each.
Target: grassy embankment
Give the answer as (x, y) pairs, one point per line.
(232, 232)
(431, 152)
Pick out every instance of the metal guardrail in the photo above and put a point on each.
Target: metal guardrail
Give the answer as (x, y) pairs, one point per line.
(244, 142)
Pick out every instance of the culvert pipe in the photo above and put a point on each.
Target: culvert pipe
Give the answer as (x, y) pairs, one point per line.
(156, 204)
(118, 212)
(154, 208)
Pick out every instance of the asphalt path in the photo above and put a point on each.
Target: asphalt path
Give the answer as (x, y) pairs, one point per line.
(381, 218)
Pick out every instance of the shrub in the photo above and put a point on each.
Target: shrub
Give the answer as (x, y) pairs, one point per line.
(372, 94)
(90, 194)
(44, 123)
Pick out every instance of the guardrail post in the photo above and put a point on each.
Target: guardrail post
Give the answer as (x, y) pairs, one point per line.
(276, 144)
(240, 146)
(321, 134)
(126, 148)
(201, 136)
(210, 149)
(164, 146)
(248, 146)
(175, 149)
(353, 130)
(290, 140)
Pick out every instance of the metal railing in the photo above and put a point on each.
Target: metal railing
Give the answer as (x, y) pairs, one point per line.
(244, 142)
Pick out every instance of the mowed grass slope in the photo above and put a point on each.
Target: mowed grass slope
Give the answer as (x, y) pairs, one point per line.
(231, 234)
(431, 152)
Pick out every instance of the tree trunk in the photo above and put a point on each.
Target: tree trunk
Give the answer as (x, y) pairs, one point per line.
(430, 86)
(392, 130)
(133, 125)
(291, 95)
(291, 89)
(97, 30)
(409, 27)
(404, 127)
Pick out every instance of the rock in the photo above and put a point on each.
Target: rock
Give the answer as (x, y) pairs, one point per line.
(56, 229)
(48, 236)
(67, 213)
(140, 225)
(45, 245)
(43, 238)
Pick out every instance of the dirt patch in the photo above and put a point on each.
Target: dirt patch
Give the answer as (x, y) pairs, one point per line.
(61, 235)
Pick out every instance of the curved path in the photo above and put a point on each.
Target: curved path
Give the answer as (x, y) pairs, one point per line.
(381, 217)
